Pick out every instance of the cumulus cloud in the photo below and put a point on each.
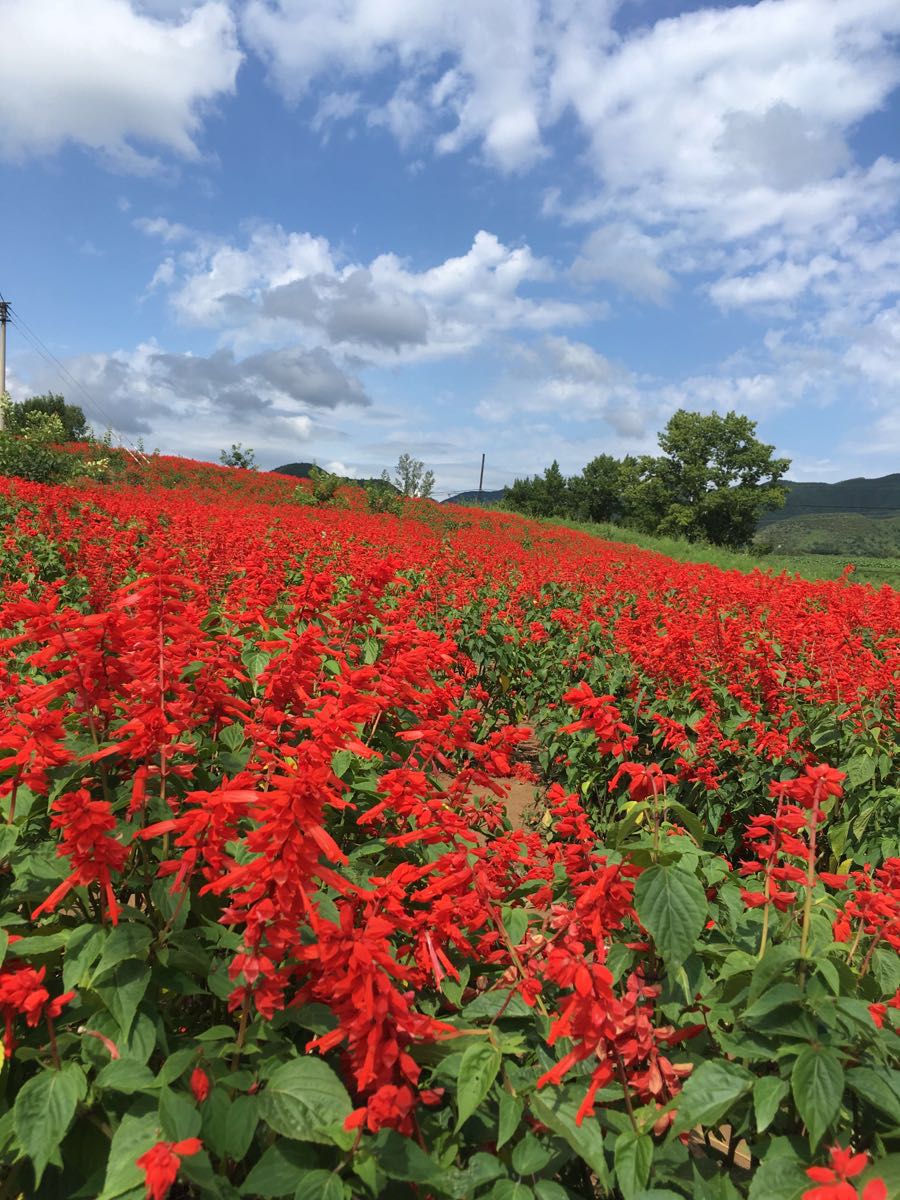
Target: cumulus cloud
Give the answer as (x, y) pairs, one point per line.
(621, 254)
(492, 91)
(112, 77)
(193, 404)
(571, 379)
(283, 285)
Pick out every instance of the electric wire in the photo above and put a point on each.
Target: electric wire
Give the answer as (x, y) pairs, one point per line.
(19, 323)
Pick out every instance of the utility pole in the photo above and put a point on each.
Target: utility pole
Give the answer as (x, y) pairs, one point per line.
(481, 479)
(4, 317)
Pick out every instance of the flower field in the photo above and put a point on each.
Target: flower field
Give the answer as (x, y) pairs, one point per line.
(268, 929)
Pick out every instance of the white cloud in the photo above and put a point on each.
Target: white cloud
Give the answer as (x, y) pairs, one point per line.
(159, 227)
(493, 93)
(876, 350)
(570, 379)
(105, 75)
(621, 254)
(282, 286)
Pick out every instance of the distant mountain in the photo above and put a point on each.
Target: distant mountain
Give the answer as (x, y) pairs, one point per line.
(834, 533)
(302, 470)
(298, 470)
(872, 497)
(472, 497)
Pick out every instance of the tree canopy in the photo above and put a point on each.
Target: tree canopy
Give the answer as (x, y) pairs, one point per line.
(410, 477)
(72, 419)
(712, 482)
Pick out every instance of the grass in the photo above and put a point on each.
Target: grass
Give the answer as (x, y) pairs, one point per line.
(876, 571)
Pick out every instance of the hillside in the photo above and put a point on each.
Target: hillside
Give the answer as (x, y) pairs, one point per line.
(472, 497)
(301, 470)
(834, 533)
(874, 497)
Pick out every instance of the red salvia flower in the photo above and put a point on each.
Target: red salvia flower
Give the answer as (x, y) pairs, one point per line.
(162, 1162)
(87, 843)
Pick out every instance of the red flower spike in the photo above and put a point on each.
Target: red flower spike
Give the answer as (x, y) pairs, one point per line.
(161, 1164)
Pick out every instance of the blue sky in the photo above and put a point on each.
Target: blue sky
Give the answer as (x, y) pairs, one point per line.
(335, 230)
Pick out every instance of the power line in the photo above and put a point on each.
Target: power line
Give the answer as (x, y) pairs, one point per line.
(28, 333)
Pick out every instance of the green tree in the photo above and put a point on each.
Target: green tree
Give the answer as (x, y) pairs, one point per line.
(410, 477)
(546, 495)
(71, 418)
(712, 482)
(237, 456)
(595, 493)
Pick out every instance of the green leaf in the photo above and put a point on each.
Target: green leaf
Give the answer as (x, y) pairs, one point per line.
(774, 963)
(671, 904)
(303, 1100)
(511, 1108)
(123, 991)
(878, 1087)
(477, 1071)
(515, 922)
(125, 942)
(214, 1121)
(632, 1155)
(43, 1112)
(558, 1113)
(479, 1170)
(240, 1126)
(319, 1185)
(126, 1075)
(510, 1189)
(548, 1189)
(530, 1155)
(775, 997)
(176, 1065)
(277, 1171)
(768, 1093)
(178, 1116)
(778, 1179)
(817, 1082)
(134, 1136)
(709, 1093)
(232, 736)
(401, 1158)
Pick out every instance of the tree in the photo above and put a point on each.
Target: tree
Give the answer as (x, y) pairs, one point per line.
(712, 482)
(71, 417)
(411, 478)
(237, 456)
(595, 493)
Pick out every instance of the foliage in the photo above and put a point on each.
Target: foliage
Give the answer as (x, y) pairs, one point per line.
(382, 497)
(71, 417)
(237, 456)
(410, 477)
(30, 448)
(267, 929)
(712, 482)
(834, 533)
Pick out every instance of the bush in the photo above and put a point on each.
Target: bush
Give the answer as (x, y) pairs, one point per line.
(382, 498)
(30, 450)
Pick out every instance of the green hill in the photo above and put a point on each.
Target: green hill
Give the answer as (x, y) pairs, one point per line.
(834, 533)
(871, 497)
(301, 470)
(472, 497)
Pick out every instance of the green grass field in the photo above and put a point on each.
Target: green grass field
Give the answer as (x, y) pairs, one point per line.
(876, 571)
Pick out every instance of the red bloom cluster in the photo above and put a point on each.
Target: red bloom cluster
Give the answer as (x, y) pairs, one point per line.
(834, 1181)
(86, 841)
(22, 994)
(162, 1162)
